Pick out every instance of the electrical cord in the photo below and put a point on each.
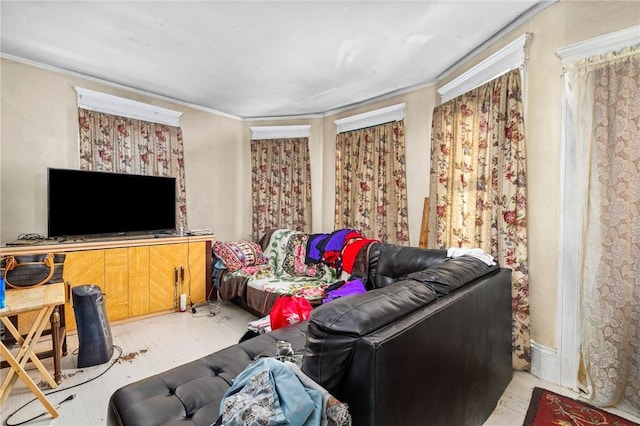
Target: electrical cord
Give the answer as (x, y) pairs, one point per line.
(195, 315)
(69, 398)
(189, 267)
(214, 309)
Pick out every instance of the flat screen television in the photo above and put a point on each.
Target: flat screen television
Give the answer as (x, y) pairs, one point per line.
(86, 203)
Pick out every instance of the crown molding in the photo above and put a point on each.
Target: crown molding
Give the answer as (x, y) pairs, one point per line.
(276, 132)
(115, 105)
(509, 57)
(599, 45)
(524, 17)
(371, 118)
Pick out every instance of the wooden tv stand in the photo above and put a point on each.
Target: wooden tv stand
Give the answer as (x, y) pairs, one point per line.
(137, 275)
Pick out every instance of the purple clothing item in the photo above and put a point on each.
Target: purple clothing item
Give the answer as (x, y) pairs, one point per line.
(314, 254)
(334, 241)
(349, 288)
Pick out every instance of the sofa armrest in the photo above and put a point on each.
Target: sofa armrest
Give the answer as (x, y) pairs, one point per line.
(335, 328)
(396, 261)
(446, 364)
(448, 276)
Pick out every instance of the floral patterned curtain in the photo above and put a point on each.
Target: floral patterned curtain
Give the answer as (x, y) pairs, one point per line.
(371, 182)
(604, 99)
(281, 185)
(110, 143)
(478, 186)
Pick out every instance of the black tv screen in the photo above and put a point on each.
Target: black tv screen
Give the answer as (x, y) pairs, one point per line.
(84, 203)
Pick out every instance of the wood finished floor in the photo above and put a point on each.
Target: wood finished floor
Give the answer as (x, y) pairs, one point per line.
(153, 345)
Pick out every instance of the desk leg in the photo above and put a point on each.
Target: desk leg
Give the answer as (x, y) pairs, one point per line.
(25, 344)
(55, 337)
(19, 371)
(26, 350)
(18, 362)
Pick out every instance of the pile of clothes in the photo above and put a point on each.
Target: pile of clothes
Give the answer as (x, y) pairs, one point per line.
(271, 392)
(337, 249)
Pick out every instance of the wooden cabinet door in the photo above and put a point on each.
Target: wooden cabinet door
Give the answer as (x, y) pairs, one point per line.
(197, 270)
(164, 261)
(138, 281)
(82, 268)
(116, 283)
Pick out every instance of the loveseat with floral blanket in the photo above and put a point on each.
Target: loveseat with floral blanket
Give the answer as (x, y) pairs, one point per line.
(254, 275)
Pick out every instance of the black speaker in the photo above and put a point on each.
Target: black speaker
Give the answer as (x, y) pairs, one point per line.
(94, 332)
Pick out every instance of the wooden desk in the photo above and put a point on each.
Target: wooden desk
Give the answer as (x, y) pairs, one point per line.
(42, 299)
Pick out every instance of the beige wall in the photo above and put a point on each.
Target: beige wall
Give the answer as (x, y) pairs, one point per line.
(560, 25)
(40, 130)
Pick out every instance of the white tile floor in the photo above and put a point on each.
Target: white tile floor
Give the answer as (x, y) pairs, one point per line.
(187, 336)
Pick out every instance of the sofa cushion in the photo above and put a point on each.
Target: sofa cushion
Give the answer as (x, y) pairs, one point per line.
(361, 314)
(452, 274)
(396, 261)
(334, 328)
(191, 393)
(239, 254)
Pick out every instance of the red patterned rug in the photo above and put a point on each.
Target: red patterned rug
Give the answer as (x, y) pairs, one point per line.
(548, 408)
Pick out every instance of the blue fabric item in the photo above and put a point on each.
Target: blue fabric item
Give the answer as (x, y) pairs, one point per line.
(256, 404)
(335, 240)
(217, 266)
(315, 395)
(314, 254)
(297, 403)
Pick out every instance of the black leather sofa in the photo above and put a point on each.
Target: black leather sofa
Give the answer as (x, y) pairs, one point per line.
(430, 343)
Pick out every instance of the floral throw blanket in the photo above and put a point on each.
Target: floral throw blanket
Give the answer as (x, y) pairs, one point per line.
(287, 273)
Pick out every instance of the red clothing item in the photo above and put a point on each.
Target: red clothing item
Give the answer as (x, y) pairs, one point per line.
(331, 256)
(351, 250)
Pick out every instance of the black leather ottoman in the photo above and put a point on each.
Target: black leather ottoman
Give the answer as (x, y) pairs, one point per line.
(191, 393)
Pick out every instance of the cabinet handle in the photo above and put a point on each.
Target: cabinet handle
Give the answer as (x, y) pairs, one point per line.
(68, 295)
(182, 275)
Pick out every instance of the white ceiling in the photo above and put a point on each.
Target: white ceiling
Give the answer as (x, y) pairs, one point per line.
(257, 59)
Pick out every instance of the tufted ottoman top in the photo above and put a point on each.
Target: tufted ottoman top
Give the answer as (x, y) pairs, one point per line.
(191, 393)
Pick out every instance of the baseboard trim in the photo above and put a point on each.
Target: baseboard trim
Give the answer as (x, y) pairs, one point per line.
(545, 363)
